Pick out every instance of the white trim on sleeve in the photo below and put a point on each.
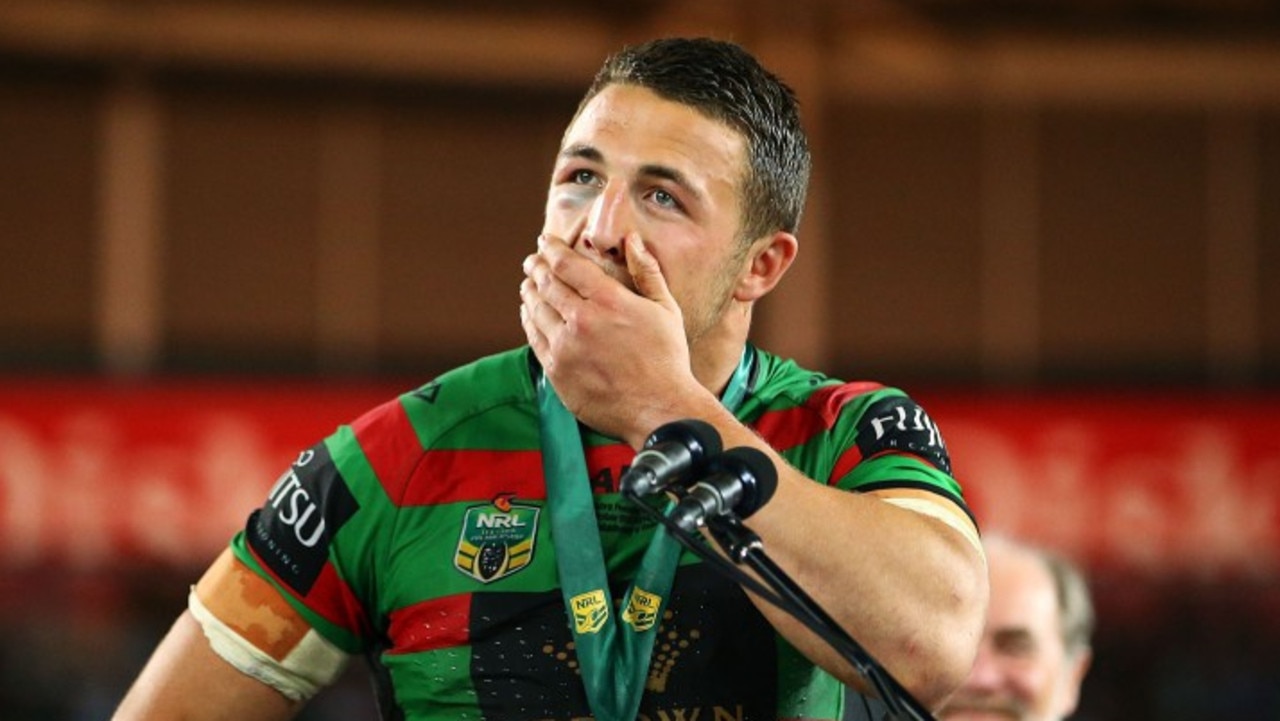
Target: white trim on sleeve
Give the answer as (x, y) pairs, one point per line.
(310, 666)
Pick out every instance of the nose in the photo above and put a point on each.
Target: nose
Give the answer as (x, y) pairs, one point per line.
(610, 221)
(986, 673)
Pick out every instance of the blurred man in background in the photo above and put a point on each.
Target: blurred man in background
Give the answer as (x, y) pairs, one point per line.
(1035, 649)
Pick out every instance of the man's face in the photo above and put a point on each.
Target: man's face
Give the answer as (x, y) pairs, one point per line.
(635, 165)
(1022, 670)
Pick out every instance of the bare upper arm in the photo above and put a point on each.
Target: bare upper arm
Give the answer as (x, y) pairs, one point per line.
(185, 679)
(936, 506)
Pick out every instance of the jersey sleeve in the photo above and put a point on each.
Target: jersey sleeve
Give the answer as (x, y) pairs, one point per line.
(324, 529)
(884, 440)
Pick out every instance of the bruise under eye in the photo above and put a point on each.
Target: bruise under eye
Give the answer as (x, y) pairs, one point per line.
(574, 194)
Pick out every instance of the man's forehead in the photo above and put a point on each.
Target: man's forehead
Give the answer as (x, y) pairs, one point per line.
(1022, 592)
(624, 122)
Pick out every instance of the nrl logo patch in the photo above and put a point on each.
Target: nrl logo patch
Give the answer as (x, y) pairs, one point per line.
(642, 609)
(497, 539)
(590, 611)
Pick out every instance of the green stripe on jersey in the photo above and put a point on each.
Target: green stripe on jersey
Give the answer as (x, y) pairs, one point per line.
(359, 551)
(819, 691)
(440, 410)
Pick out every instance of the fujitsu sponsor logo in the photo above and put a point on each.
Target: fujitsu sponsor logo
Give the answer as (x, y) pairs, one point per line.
(897, 424)
(305, 509)
(294, 505)
(280, 557)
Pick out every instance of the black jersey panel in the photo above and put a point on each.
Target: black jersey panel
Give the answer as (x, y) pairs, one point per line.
(714, 656)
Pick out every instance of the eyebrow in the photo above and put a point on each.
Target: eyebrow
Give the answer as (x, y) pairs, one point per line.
(649, 170)
(583, 151)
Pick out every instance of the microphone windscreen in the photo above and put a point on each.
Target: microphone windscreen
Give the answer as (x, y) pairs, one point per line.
(755, 470)
(700, 437)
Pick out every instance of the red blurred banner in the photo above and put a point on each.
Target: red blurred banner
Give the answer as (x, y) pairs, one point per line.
(1158, 483)
(95, 474)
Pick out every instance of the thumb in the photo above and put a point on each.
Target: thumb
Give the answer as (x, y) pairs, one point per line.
(646, 273)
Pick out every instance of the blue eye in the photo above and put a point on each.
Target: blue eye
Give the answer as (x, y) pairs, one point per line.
(583, 177)
(665, 199)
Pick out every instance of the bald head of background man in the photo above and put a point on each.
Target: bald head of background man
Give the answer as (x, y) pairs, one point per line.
(1035, 648)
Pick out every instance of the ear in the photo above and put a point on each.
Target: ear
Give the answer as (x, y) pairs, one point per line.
(769, 259)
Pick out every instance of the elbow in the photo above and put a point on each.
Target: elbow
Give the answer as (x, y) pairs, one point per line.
(938, 659)
(935, 678)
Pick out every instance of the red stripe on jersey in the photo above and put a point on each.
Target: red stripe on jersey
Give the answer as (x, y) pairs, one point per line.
(333, 599)
(851, 457)
(430, 625)
(605, 464)
(389, 442)
(789, 428)
(330, 597)
(792, 427)
(481, 474)
(828, 401)
(451, 476)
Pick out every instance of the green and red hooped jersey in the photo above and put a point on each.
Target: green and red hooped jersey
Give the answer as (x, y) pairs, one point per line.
(418, 536)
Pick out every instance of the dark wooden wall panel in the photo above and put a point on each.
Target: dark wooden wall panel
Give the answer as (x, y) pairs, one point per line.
(905, 239)
(1123, 227)
(241, 187)
(48, 125)
(465, 180)
(1269, 245)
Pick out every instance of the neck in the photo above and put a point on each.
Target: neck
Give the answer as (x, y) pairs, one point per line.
(716, 354)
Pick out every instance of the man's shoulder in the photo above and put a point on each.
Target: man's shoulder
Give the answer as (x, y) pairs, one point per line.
(782, 383)
(497, 378)
(779, 380)
(476, 390)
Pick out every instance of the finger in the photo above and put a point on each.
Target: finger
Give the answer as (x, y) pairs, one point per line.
(535, 333)
(647, 274)
(541, 310)
(578, 273)
(535, 338)
(548, 289)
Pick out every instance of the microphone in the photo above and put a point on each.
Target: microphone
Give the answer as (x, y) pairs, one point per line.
(740, 481)
(670, 453)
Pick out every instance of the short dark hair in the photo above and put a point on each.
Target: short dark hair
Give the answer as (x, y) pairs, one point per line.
(726, 83)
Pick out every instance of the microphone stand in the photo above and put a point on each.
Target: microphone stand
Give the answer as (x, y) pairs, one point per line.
(744, 547)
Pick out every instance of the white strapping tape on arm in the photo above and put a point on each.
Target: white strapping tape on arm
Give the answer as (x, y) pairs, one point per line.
(313, 664)
(933, 510)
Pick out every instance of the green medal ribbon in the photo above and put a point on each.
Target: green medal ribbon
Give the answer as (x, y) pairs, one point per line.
(613, 656)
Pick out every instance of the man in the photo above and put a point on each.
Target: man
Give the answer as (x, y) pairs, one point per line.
(1036, 646)
(469, 538)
